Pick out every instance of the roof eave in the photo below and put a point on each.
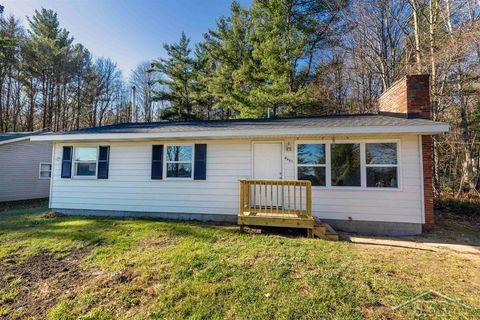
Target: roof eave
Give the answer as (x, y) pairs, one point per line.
(14, 140)
(419, 129)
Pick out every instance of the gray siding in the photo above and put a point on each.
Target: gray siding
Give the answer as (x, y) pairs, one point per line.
(19, 170)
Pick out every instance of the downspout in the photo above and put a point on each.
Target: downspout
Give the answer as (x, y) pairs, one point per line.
(51, 176)
(422, 193)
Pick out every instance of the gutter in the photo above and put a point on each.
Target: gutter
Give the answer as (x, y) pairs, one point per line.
(15, 140)
(417, 129)
(26, 136)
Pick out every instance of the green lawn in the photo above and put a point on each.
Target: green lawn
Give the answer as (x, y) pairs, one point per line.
(100, 268)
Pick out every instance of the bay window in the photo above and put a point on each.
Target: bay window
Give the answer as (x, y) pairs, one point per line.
(349, 164)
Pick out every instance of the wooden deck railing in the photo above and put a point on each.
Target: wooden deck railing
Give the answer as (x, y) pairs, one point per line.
(276, 198)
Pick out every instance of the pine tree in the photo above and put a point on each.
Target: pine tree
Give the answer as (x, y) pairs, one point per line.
(287, 36)
(202, 95)
(177, 83)
(265, 55)
(227, 46)
(49, 47)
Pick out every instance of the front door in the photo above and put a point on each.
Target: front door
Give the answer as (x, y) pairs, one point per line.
(267, 160)
(267, 165)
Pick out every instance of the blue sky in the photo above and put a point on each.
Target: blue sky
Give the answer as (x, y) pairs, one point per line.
(127, 31)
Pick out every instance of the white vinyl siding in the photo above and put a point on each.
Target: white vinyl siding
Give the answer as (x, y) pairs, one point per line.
(403, 204)
(130, 187)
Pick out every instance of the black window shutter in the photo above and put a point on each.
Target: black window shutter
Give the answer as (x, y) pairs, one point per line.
(103, 160)
(157, 161)
(200, 164)
(67, 162)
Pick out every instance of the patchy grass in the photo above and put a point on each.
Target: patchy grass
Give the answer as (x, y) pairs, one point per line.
(98, 268)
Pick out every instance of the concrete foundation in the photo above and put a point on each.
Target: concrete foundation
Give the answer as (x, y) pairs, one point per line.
(376, 228)
(361, 227)
(143, 214)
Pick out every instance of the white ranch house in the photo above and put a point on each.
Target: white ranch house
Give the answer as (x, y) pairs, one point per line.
(362, 173)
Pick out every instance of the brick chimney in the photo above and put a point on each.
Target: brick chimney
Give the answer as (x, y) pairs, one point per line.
(409, 97)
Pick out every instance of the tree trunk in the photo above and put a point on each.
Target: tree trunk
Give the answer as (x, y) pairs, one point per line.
(1, 104)
(467, 164)
(17, 104)
(31, 109)
(79, 104)
(44, 102)
(432, 21)
(416, 31)
(7, 103)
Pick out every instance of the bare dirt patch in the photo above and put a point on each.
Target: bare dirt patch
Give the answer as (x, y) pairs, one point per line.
(44, 278)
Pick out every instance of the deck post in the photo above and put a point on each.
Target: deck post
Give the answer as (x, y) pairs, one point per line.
(308, 198)
(241, 209)
(309, 233)
(265, 210)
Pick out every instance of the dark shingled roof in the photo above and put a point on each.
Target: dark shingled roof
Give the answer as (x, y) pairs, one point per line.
(5, 136)
(364, 120)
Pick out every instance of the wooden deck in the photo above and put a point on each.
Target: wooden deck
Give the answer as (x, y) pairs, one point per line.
(278, 203)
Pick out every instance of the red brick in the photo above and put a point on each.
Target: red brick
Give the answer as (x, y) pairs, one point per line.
(410, 97)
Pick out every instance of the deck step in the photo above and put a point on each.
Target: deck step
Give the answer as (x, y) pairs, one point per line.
(324, 231)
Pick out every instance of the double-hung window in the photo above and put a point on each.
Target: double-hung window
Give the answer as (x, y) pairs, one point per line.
(179, 161)
(85, 161)
(311, 163)
(381, 165)
(45, 171)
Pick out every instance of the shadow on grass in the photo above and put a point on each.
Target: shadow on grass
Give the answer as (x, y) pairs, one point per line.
(23, 204)
(32, 220)
(38, 224)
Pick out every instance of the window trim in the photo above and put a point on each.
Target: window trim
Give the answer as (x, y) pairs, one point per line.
(165, 162)
(74, 162)
(396, 165)
(325, 165)
(362, 163)
(40, 171)
(363, 167)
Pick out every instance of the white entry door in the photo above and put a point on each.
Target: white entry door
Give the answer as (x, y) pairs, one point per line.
(267, 160)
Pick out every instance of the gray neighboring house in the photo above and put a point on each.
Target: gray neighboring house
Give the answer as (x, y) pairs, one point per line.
(25, 167)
